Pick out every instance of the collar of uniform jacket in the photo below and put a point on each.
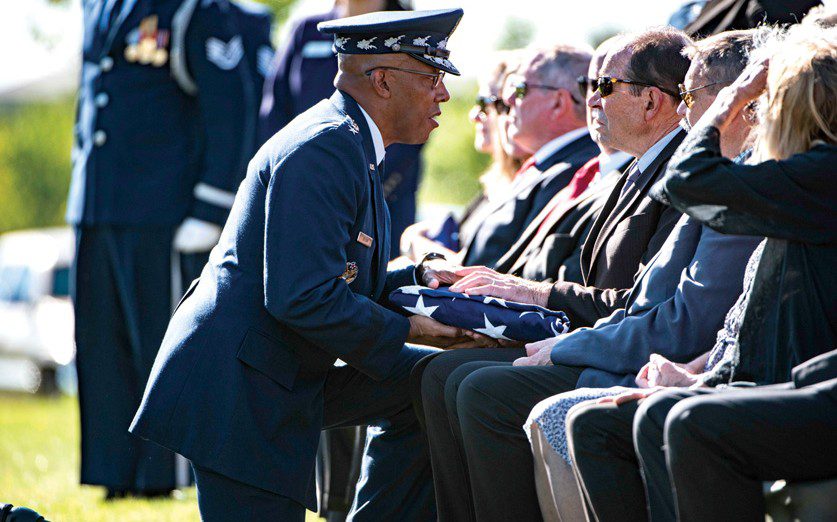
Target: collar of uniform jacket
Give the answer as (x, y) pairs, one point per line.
(377, 138)
(548, 150)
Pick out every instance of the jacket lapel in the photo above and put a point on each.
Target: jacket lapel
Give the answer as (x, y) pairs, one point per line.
(623, 206)
(113, 29)
(348, 106)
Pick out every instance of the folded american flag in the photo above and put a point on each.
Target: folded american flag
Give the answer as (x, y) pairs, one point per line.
(491, 316)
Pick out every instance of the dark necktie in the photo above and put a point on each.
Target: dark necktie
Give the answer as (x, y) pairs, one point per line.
(633, 176)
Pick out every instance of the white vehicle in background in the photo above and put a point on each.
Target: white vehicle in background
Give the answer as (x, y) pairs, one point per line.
(36, 314)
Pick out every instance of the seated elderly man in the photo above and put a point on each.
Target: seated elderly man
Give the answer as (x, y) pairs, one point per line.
(782, 317)
(549, 249)
(546, 120)
(635, 111)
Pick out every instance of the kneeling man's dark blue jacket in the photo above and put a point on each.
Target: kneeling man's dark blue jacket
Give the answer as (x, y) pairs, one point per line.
(237, 386)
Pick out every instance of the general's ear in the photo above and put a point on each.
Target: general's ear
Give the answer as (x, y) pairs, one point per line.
(379, 83)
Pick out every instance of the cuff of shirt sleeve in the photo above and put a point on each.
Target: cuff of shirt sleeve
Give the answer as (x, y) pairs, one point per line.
(211, 203)
(555, 299)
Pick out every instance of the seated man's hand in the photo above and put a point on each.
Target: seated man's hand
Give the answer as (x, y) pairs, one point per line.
(537, 353)
(439, 272)
(629, 396)
(480, 280)
(659, 371)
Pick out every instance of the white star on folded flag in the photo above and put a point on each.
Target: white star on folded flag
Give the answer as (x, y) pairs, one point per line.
(420, 309)
(492, 331)
(488, 299)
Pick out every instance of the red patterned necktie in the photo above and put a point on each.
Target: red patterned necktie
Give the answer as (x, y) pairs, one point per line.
(581, 180)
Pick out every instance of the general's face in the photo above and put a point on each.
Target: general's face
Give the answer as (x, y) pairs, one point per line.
(528, 114)
(702, 98)
(617, 118)
(418, 103)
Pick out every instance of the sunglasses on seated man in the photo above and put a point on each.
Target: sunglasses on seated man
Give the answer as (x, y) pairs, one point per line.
(522, 87)
(687, 96)
(483, 102)
(585, 85)
(437, 76)
(604, 86)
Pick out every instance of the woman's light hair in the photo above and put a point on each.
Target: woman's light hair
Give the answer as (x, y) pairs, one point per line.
(801, 106)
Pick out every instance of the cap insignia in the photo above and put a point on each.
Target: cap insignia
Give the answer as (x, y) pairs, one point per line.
(367, 44)
(389, 42)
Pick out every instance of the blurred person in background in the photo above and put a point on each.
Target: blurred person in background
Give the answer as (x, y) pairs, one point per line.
(164, 128)
(717, 16)
(446, 236)
(546, 120)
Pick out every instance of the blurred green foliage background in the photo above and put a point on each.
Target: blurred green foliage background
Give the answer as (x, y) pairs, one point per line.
(36, 140)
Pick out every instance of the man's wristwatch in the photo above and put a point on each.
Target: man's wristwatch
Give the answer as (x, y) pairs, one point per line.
(418, 272)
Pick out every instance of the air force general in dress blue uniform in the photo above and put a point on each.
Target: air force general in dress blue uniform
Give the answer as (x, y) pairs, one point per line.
(165, 126)
(246, 377)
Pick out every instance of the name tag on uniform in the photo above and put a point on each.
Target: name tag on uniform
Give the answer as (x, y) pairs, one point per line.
(364, 240)
(317, 49)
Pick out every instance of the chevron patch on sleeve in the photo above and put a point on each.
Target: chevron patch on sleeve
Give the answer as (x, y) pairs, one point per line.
(225, 55)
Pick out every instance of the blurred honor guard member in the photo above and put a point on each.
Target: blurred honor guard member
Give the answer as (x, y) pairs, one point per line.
(303, 73)
(254, 22)
(163, 131)
(245, 378)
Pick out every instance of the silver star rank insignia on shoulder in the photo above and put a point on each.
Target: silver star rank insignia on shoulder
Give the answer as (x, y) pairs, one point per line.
(353, 128)
(351, 272)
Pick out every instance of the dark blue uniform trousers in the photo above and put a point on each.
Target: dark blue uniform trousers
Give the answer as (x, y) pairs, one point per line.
(122, 299)
(396, 482)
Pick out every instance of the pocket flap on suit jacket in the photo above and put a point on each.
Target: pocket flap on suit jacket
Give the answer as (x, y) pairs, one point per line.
(270, 357)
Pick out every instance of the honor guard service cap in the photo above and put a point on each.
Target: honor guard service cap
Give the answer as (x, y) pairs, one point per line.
(420, 34)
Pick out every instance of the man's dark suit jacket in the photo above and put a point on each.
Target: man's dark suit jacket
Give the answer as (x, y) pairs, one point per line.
(550, 247)
(718, 16)
(528, 195)
(629, 230)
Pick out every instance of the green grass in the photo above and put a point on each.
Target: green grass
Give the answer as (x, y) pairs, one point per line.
(39, 463)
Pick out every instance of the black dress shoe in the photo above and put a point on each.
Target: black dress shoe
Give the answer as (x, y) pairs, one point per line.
(115, 494)
(153, 493)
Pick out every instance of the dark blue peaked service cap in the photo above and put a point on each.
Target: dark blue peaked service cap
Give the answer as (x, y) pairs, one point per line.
(420, 34)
